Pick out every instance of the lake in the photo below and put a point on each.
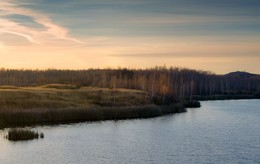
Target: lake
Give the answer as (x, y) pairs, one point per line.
(218, 132)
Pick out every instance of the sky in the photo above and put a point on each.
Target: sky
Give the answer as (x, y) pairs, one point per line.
(212, 35)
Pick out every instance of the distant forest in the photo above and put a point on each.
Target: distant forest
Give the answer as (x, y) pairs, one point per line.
(164, 85)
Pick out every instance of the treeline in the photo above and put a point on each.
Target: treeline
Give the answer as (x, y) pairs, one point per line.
(165, 85)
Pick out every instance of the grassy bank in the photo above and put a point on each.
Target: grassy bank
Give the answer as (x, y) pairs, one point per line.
(74, 115)
(61, 104)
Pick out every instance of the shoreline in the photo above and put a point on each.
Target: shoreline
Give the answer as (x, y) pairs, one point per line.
(71, 116)
(59, 104)
(97, 114)
(225, 97)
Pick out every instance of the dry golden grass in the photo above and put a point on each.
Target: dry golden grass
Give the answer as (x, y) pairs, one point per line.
(60, 86)
(42, 97)
(8, 87)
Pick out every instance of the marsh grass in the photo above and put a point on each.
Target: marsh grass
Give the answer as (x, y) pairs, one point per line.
(74, 115)
(40, 105)
(23, 135)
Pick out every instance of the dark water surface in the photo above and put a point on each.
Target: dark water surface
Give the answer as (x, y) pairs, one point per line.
(218, 132)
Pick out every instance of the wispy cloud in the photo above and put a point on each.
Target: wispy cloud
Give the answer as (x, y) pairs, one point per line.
(49, 33)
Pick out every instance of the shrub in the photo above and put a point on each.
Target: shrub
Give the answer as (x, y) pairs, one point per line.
(41, 135)
(192, 104)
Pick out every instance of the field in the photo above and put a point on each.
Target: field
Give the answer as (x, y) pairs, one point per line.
(61, 96)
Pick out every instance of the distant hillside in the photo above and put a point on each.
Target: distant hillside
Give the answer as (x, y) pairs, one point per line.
(240, 74)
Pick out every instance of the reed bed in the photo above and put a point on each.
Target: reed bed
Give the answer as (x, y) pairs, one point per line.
(48, 105)
(23, 135)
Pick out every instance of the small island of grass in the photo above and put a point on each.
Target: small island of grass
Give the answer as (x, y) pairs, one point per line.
(23, 135)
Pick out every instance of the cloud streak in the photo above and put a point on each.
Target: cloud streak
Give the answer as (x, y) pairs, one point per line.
(41, 36)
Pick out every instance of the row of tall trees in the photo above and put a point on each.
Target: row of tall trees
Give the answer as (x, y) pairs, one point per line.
(170, 84)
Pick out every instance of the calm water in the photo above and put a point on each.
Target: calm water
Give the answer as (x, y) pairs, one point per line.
(218, 132)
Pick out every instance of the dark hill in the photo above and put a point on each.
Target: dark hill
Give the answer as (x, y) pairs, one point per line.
(240, 74)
